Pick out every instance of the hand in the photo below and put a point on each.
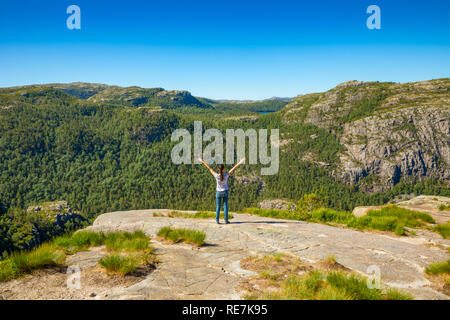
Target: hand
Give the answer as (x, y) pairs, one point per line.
(200, 159)
(243, 160)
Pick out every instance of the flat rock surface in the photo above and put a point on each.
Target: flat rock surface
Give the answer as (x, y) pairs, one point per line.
(213, 271)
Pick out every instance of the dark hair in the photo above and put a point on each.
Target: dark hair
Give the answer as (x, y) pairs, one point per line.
(221, 167)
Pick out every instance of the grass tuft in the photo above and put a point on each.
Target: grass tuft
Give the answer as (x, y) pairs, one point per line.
(439, 268)
(43, 256)
(54, 252)
(183, 235)
(24, 262)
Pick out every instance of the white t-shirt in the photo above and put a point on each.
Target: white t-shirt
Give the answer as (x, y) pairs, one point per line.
(221, 185)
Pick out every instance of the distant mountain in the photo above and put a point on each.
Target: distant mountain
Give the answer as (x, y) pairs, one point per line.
(388, 131)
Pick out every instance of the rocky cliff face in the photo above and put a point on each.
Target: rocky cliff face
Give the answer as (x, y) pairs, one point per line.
(389, 131)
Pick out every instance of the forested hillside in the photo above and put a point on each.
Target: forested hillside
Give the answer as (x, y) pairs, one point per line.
(105, 148)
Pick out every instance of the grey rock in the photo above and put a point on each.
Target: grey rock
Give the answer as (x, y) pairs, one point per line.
(277, 204)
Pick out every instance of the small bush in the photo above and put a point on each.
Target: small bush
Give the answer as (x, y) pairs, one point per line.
(185, 235)
(353, 286)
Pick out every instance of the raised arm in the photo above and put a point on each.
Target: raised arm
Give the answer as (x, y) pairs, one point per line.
(206, 165)
(236, 166)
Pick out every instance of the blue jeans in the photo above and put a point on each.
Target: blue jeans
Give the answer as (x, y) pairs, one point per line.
(222, 196)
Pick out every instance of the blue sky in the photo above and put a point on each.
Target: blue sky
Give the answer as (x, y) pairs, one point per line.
(224, 49)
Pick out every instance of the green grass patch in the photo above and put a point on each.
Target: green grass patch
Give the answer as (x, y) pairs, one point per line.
(389, 218)
(443, 207)
(316, 285)
(439, 268)
(23, 262)
(118, 263)
(54, 252)
(80, 241)
(271, 275)
(443, 229)
(127, 241)
(411, 218)
(183, 235)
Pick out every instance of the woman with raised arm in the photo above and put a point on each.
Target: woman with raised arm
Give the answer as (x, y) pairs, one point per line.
(222, 187)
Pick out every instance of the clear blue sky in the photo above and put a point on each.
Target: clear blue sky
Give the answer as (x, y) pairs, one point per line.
(233, 49)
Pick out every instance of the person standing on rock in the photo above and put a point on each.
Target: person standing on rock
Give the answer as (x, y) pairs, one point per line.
(222, 187)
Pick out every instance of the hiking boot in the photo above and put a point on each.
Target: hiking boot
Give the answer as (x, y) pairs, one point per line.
(217, 221)
(227, 222)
